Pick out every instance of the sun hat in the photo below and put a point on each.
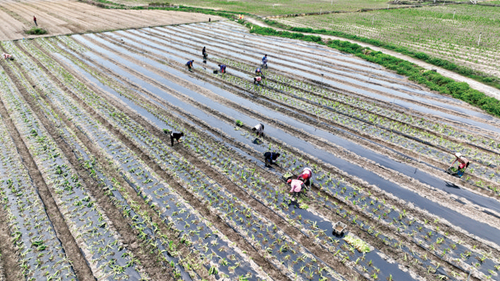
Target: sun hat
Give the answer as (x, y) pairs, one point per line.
(458, 154)
(289, 181)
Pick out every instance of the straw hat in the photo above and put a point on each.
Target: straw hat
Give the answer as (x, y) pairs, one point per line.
(458, 154)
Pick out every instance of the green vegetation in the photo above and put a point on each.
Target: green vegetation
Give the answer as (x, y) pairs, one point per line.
(446, 36)
(36, 31)
(357, 243)
(239, 123)
(272, 7)
(433, 80)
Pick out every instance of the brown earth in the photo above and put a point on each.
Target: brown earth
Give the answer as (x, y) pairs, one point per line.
(66, 17)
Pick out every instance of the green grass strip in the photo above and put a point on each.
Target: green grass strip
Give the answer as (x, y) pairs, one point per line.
(429, 78)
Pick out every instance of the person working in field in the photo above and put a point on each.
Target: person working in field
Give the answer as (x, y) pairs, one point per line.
(264, 61)
(7, 56)
(269, 157)
(296, 186)
(204, 53)
(190, 65)
(257, 80)
(464, 164)
(305, 176)
(222, 68)
(259, 129)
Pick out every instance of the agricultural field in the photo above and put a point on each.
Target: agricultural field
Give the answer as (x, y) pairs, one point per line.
(66, 17)
(92, 187)
(450, 32)
(271, 7)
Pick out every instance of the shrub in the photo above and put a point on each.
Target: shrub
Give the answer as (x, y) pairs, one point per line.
(36, 31)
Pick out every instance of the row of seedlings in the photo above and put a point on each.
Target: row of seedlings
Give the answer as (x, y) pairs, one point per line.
(40, 252)
(139, 220)
(353, 118)
(203, 191)
(220, 257)
(94, 234)
(273, 192)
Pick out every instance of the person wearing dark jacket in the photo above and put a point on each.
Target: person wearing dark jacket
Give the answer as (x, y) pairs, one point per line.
(269, 157)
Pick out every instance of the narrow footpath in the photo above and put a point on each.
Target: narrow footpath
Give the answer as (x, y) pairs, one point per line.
(488, 90)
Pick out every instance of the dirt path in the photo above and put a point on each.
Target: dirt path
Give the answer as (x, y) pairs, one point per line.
(488, 90)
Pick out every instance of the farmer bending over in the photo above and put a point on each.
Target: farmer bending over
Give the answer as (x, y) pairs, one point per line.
(7, 56)
(222, 68)
(257, 80)
(295, 187)
(464, 163)
(259, 129)
(306, 175)
(269, 157)
(190, 65)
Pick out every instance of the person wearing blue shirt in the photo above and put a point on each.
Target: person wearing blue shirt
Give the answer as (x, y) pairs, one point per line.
(222, 68)
(190, 65)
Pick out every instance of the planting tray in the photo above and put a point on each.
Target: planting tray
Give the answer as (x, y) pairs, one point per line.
(339, 228)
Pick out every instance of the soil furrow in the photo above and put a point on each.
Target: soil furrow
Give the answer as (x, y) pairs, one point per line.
(395, 253)
(218, 222)
(8, 255)
(387, 174)
(154, 269)
(80, 265)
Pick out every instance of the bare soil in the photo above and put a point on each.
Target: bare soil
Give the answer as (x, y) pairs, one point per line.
(66, 17)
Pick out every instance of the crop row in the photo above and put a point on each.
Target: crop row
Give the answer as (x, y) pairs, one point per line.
(40, 251)
(202, 191)
(432, 246)
(175, 212)
(87, 223)
(353, 119)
